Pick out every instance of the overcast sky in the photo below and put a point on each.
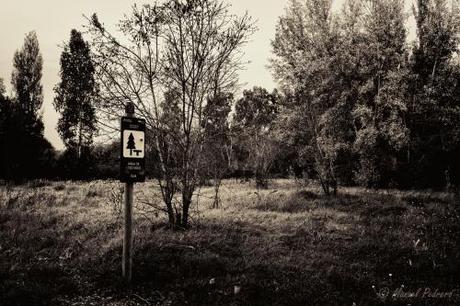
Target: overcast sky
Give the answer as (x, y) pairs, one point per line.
(53, 20)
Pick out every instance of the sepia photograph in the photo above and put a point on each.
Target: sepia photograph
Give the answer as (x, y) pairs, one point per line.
(229, 152)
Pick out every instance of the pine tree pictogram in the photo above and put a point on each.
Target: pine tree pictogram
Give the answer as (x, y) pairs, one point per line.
(131, 145)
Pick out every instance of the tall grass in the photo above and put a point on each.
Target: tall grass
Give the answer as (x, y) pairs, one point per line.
(60, 243)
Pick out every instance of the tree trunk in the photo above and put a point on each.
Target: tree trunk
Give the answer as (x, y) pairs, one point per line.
(167, 194)
(80, 137)
(171, 217)
(186, 201)
(325, 186)
(334, 186)
(217, 182)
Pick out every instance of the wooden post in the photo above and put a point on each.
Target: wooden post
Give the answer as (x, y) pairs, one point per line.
(128, 234)
(128, 222)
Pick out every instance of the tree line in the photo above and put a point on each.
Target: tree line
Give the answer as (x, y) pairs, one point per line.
(357, 104)
(366, 107)
(25, 153)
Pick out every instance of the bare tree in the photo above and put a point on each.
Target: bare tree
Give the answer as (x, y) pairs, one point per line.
(169, 59)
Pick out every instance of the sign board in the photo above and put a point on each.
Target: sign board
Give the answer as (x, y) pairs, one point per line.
(132, 166)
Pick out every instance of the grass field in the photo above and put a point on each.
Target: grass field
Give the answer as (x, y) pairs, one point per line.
(61, 243)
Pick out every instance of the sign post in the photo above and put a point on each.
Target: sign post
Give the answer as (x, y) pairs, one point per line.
(132, 169)
(128, 234)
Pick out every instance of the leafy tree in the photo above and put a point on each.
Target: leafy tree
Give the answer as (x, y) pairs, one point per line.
(380, 109)
(25, 152)
(305, 41)
(75, 98)
(26, 77)
(254, 115)
(22, 155)
(26, 81)
(2, 89)
(344, 79)
(106, 160)
(217, 144)
(185, 47)
(434, 103)
(5, 115)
